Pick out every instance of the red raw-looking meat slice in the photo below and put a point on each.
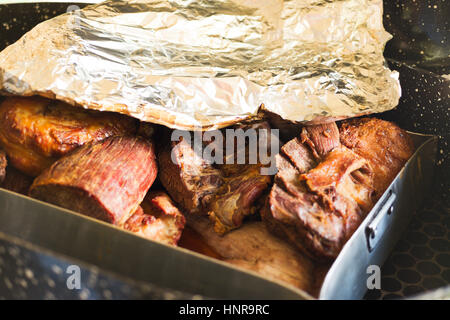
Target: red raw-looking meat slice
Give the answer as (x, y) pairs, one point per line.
(106, 180)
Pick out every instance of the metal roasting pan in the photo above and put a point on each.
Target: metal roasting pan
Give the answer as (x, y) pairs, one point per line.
(111, 249)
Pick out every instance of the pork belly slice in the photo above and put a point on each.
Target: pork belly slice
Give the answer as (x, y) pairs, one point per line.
(3, 165)
(254, 248)
(106, 180)
(35, 132)
(383, 144)
(226, 192)
(157, 218)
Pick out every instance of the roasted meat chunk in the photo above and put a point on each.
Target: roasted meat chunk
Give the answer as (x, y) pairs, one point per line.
(106, 180)
(328, 180)
(157, 219)
(254, 248)
(227, 192)
(383, 144)
(34, 132)
(3, 165)
(188, 178)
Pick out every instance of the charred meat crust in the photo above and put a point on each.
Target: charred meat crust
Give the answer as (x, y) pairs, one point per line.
(186, 176)
(106, 180)
(328, 180)
(383, 144)
(157, 218)
(35, 131)
(226, 192)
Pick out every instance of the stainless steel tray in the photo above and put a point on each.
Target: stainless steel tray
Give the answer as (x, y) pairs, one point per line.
(89, 241)
(375, 238)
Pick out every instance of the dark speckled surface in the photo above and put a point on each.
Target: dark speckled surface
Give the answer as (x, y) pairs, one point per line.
(420, 262)
(29, 272)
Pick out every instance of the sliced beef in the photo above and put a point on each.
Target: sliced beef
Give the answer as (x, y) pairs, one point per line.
(226, 192)
(3, 164)
(157, 219)
(328, 181)
(106, 180)
(254, 248)
(383, 144)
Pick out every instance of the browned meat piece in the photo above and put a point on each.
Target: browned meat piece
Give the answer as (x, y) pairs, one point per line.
(35, 131)
(16, 181)
(299, 155)
(237, 198)
(157, 219)
(321, 138)
(106, 180)
(342, 173)
(383, 144)
(3, 164)
(301, 219)
(227, 192)
(253, 248)
(318, 206)
(190, 180)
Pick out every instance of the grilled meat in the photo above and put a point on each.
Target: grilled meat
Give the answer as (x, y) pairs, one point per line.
(329, 179)
(254, 248)
(35, 131)
(106, 180)
(383, 144)
(226, 192)
(157, 218)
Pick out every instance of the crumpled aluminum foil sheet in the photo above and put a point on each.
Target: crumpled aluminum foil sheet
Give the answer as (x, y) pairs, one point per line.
(205, 64)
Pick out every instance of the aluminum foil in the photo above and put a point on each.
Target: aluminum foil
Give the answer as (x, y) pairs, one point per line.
(206, 64)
